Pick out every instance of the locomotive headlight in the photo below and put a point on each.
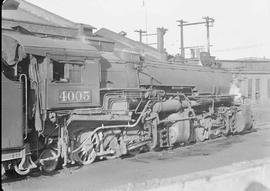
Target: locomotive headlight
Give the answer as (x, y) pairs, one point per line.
(52, 117)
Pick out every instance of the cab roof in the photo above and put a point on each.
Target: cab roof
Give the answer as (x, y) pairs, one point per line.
(56, 48)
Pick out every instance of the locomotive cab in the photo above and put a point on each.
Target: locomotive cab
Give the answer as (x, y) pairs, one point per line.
(53, 77)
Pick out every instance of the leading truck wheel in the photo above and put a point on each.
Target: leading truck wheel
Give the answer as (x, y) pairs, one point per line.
(20, 171)
(200, 134)
(48, 166)
(3, 170)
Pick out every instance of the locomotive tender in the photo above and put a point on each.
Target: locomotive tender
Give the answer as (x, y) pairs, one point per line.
(67, 100)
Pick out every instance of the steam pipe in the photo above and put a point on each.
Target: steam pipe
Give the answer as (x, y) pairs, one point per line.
(155, 132)
(114, 126)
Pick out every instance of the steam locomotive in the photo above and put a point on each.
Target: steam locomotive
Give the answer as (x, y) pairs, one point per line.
(66, 101)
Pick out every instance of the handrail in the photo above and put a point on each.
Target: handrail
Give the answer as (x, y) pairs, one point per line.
(26, 102)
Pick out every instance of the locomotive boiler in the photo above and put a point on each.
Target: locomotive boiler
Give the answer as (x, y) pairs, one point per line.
(81, 104)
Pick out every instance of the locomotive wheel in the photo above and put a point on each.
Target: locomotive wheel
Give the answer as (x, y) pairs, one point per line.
(86, 157)
(111, 143)
(49, 166)
(3, 170)
(134, 152)
(21, 172)
(200, 134)
(243, 119)
(87, 154)
(228, 124)
(179, 132)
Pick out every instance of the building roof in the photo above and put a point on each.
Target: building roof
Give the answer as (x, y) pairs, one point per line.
(22, 15)
(111, 57)
(29, 12)
(98, 38)
(129, 45)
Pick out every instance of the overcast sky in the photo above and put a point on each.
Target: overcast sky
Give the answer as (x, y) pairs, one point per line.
(241, 27)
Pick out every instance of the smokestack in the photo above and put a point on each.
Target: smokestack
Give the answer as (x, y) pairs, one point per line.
(160, 39)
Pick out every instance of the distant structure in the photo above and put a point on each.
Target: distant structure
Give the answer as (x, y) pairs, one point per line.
(253, 76)
(124, 45)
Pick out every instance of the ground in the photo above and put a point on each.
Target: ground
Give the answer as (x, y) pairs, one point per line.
(183, 160)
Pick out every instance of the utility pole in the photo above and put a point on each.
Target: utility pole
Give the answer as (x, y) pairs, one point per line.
(160, 37)
(208, 20)
(181, 24)
(140, 33)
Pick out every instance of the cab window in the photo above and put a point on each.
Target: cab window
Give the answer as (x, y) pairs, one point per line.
(58, 71)
(63, 72)
(75, 73)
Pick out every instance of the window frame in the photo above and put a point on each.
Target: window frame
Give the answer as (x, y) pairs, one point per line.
(68, 68)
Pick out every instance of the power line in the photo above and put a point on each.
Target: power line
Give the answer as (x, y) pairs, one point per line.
(181, 24)
(140, 31)
(146, 19)
(209, 23)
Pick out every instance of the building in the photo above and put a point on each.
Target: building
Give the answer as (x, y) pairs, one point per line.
(253, 76)
(24, 17)
(124, 44)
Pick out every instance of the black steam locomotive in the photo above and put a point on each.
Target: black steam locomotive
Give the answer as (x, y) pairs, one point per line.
(67, 100)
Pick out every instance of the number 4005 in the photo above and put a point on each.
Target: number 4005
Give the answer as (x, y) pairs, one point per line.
(74, 96)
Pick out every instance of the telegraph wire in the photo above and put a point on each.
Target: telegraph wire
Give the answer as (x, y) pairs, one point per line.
(146, 19)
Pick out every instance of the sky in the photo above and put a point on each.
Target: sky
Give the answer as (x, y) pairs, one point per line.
(241, 28)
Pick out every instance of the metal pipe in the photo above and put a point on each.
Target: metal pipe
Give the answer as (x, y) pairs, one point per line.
(155, 132)
(26, 103)
(113, 126)
(150, 34)
(196, 23)
(138, 144)
(183, 119)
(182, 39)
(136, 110)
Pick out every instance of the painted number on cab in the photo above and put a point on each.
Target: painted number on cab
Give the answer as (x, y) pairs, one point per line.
(74, 96)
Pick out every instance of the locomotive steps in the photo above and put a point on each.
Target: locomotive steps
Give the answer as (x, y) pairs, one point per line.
(246, 175)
